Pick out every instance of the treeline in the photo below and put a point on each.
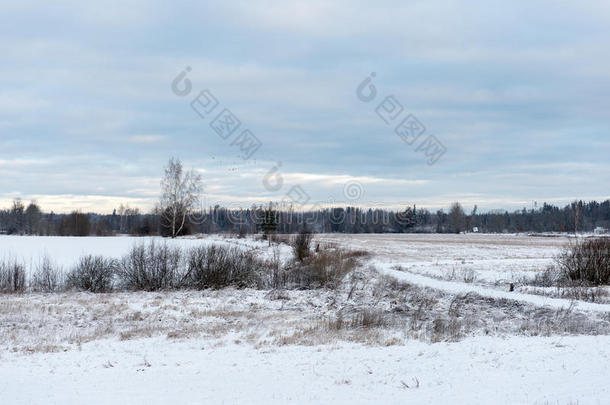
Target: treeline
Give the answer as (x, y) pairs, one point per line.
(575, 217)
(31, 220)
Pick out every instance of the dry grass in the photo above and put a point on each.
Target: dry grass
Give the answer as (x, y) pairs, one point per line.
(325, 267)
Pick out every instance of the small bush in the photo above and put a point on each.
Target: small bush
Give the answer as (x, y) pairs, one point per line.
(469, 275)
(275, 275)
(586, 262)
(218, 267)
(92, 273)
(47, 277)
(150, 268)
(12, 277)
(301, 244)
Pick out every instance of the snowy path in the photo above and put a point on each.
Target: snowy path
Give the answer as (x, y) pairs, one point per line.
(462, 288)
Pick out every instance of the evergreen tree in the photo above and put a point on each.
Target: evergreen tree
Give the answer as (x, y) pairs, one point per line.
(269, 222)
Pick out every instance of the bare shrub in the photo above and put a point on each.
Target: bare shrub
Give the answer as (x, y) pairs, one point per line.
(92, 273)
(218, 267)
(47, 277)
(150, 268)
(275, 276)
(586, 261)
(469, 275)
(301, 244)
(12, 277)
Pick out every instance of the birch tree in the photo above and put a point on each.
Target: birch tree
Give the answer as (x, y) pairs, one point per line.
(180, 192)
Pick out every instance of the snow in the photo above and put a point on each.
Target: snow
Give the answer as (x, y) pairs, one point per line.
(463, 288)
(65, 251)
(495, 261)
(247, 346)
(156, 371)
(494, 258)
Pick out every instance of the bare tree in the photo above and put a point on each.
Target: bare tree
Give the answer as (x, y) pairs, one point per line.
(128, 219)
(179, 195)
(17, 218)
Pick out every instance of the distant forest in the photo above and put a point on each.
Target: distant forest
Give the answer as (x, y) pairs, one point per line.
(575, 217)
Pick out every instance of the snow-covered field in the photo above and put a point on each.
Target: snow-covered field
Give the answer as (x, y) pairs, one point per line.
(433, 333)
(158, 371)
(64, 251)
(493, 258)
(482, 263)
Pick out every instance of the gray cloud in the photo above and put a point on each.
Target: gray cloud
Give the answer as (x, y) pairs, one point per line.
(517, 93)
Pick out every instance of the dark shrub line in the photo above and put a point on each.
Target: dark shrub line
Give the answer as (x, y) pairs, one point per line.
(156, 267)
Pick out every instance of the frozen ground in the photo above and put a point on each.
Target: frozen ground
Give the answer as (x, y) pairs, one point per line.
(404, 328)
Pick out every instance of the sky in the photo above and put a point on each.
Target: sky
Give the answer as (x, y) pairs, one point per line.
(512, 100)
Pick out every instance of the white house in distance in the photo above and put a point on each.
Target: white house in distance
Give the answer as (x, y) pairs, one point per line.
(600, 231)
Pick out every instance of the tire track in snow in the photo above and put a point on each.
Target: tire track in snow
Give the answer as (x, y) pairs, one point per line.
(455, 287)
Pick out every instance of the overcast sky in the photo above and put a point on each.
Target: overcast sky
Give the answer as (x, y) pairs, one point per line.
(517, 92)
